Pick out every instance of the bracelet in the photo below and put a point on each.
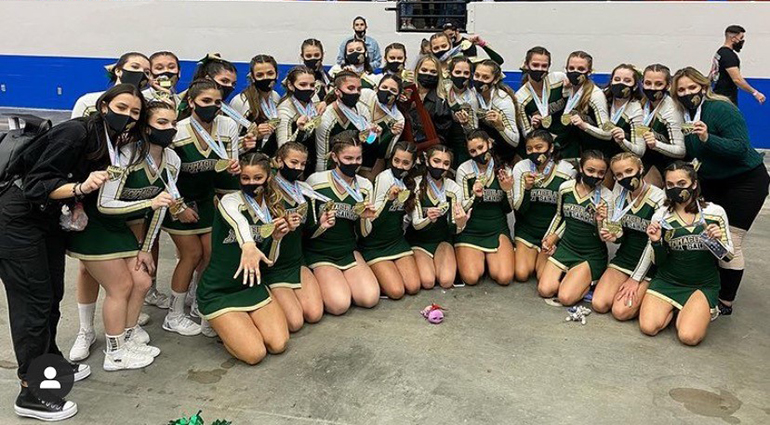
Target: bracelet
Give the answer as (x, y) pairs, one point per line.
(755, 93)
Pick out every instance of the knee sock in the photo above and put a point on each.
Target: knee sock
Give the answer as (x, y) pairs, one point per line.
(115, 342)
(177, 303)
(86, 314)
(731, 279)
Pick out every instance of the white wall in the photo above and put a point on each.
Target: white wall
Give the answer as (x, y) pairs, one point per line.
(674, 33)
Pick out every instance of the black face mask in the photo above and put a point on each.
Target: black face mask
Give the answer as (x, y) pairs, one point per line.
(631, 182)
(312, 63)
(481, 158)
(360, 34)
(460, 82)
(653, 95)
(480, 86)
(349, 99)
(691, 101)
(290, 174)
(590, 181)
(355, 58)
(348, 169)
(428, 81)
(118, 122)
(436, 173)
(252, 189)
(206, 113)
(680, 195)
(539, 158)
(737, 46)
(393, 67)
(304, 95)
(576, 78)
(620, 91)
(440, 54)
(226, 90)
(135, 78)
(398, 173)
(386, 97)
(536, 74)
(162, 138)
(264, 85)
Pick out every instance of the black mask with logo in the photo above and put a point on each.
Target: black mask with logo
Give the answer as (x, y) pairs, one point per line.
(536, 74)
(620, 91)
(680, 195)
(576, 78)
(118, 122)
(393, 67)
(631, 182)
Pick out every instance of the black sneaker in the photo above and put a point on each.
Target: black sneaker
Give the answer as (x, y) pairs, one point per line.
(80, 371)
(724, 309)
(49, 408)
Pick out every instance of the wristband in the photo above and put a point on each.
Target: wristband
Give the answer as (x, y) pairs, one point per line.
(755, 93)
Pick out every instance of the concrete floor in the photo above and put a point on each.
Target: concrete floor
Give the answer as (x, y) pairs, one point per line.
(502, 356)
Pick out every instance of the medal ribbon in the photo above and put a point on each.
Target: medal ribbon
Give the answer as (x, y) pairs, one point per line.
(398, 182)
(308, 111)
(359, 121)
(352, 191)
(546, 171)
(540, 101)
(216, 145)
(648, 116)
(262, 213)
(438, 193)
(292, 189)
(617, 114)
(572, 101)
(112, 150)
(312, 194)
(618, 214)
(268, 107)
(391, 112)
(488, 173)
(453, 51)
(168, 182)
(482, 103)
(687, 118)
(235, 115)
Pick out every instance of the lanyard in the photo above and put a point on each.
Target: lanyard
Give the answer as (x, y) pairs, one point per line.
(573, 100)
(488, 173)
(351, 190)
(168, 181)
(617, 114)
(540, 101)
(648, 116)
(216, 145)
(619, 213)
(391, 112)
(546, 170)
(113, 151)
(453, 51)
(291, 188)
(268, 107)
(235, 115)
(440, 194)
(262, 213)
(466, 96)
(308, 111)
(483, 104)
(359, 121)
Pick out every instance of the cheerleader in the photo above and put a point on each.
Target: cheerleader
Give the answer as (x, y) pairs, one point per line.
(581, 255)
(107, 247)
(312, 55)
(661, 126)
(623, 94)
(428, 112)
(384, 113)
(486, 239)
(165, 76)
(497, 109)
(345, 113)
(463, 102)
(621, 288)
(441, 48)
(437, 215)
(536, 183)
(207, 145)
(731, 172)
(214, 68)
(131, 68)
(259, 102)
(298, 115)
(585, 109)
(331, 252)
(540, 100)
(687, 238)
(356, 61)
(385, 249)
(394, 64)
(232, 295)
(291, 282)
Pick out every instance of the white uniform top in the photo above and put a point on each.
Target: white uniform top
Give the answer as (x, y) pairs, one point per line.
(152, 95)
(598, 104)
(502, 102)
(329, 118)
(241, 104)
(524, 96)
(668, 113)
(85, 105)
(563, 169)
(419, 219)
(288, 114)
(632, 114)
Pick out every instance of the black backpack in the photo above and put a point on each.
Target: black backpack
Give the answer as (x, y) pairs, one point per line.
(15, 143)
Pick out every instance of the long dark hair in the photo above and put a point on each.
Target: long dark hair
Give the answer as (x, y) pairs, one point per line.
(251, 94)
(367, 65)
(481, 134)
(208, 68)
(547, 137)
(422, 171)
(95, 122)
(271, 195)
(409, 179)
(692, 207)
(124, 58)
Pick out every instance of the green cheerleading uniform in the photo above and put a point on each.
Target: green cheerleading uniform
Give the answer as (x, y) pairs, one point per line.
(332, 125)
(633, 240)
(107, 235)
(684, 264)
(218, 291)
(506, 139)
(423, 234)
(255, 113)
(526, 108)
(286, 271)
(576, 226)
(386, 242)
(198, 179)
(288, 131)
(335, 246)
(534, 208)
(666, 125)
(488, 221)
(383, 146)
(455, 137)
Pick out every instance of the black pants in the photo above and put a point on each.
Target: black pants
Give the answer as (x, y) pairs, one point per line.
(32, 271)
(741, 196)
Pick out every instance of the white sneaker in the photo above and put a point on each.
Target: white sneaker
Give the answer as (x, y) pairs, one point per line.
(144, 318)
(207, 330)
(158, 299)
(81, 349)
(137, 347)
(125, 359)
(140, 335)
(182, 325)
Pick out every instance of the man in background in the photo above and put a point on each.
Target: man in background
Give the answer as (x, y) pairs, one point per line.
(726, 67)
(359, 33)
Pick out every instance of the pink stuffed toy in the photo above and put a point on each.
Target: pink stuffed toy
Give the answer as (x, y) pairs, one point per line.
(433, 313)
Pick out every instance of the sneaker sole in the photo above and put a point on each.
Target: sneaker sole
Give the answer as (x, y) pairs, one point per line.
(117, 368)
(166, 328)
(45, 416)
(83, 374)
(79, 359)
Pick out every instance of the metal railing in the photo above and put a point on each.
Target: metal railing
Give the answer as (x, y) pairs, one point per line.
(429, 15)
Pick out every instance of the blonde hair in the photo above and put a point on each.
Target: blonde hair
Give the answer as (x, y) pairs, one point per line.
(699, 79)
(440, 89)
(627, 155)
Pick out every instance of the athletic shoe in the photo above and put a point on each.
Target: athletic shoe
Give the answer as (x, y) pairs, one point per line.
(207, 330)
(147, 350)
(144, 318)
(724, 309)
(81, 349)
(126, 358)
(182, 325)
(80, 371)
(140, 335)
(48, 407)
(158, 299)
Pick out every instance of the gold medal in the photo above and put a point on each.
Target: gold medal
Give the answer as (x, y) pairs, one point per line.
(177, 207)
(403, 195)
(302, 209)
(608, 126)
(114, 172)
(640, 130)
(539, 179)
(566, 119)
(266, 230)
(546, 121)
(330, 206)
(221, 165)
(688, 128)
(312, 124)
(614, 227)
(274, 122)
(359, 208)
(443, 207)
